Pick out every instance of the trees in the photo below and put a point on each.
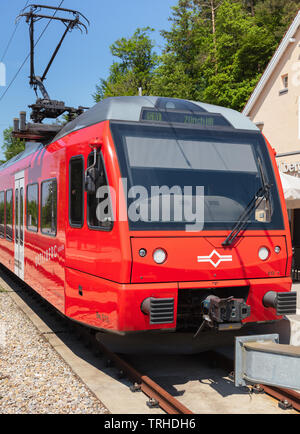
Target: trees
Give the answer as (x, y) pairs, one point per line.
(11, 146)
(243, 49)
(220, 46)
(276, 15)
(135, 68)
(172, 80)
(189, 45)
(215, 52)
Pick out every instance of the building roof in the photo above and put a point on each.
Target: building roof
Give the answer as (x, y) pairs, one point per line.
(287, 39)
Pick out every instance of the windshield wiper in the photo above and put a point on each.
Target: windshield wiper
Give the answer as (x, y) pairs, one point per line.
(260, 195)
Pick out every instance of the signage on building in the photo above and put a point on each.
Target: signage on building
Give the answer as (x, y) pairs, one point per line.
(289, 167)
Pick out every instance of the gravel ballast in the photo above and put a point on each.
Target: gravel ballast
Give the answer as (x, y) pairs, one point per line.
(33, 377)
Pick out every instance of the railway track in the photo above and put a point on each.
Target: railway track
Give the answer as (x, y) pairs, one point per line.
(158, 397)
(287, 398)
(139, 381)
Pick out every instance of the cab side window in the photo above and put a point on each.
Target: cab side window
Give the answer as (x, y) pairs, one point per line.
(76, 192)
(99, 210)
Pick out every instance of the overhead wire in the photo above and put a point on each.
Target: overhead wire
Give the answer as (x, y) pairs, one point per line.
(27, 57)
(12, 37)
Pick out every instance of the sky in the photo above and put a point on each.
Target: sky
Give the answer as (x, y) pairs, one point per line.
(82, 60)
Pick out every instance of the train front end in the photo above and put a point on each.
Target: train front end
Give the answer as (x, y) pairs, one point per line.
(207, 221)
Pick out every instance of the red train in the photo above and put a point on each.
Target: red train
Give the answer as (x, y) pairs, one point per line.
(148, 213)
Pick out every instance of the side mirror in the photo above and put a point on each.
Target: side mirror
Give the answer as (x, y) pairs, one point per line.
(263, 212)
(91, 179)
(89, 184)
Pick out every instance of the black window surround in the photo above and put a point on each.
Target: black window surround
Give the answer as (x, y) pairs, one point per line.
(92, 203)
(9, 214)
(76, 221)
(51, 232)
(32, 228)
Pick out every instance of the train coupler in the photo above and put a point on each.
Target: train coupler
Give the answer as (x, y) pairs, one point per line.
(223, 313)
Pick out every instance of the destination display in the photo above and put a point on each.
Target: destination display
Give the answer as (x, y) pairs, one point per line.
(206, 120)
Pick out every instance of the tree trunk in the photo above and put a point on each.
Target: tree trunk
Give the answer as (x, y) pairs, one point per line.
(213, 21)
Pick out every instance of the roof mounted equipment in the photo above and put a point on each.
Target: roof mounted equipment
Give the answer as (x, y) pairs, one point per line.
(45, 107)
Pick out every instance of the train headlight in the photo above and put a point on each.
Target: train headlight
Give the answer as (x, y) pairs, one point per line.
(277, 249)
(263, 253)
(159, 256)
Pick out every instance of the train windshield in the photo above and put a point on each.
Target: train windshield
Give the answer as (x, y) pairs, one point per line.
(189, 178)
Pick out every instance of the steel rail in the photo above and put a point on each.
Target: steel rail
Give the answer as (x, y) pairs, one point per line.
(287, 397)
(158, 396)
(142, 382)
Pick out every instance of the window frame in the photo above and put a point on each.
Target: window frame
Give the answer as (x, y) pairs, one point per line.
(41, 207)
(99, 228)
(22, 220)
(38, 196)
(12, 215)
(121, 128)
(81, 158)
(2, 236)
(285, 81)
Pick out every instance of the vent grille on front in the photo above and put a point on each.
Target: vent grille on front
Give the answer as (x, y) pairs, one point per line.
(286, 303)
(161, 310)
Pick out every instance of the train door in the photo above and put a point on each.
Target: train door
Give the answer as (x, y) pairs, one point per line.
(19, 224)
(89, 240)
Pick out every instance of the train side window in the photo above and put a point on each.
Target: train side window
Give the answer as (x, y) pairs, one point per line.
(2, 215)
(76, 192)
(21, 216)
(99, 210)
(9, 215)
(32, 207)
(16, 215)
(49, 207)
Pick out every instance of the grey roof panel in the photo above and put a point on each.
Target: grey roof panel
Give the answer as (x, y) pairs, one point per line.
(30, 148)
(128, 108)
(237, 119)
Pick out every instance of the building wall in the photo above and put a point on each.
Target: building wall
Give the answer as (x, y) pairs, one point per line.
(279, 110)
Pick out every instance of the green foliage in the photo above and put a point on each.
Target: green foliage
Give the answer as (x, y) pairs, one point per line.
(215, 52)
(11, 146)
(243, 50)
(170, 79)
(276, 15)
(135, 68)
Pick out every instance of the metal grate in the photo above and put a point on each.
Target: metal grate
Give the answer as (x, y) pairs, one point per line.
(161, 310)
(286, 303)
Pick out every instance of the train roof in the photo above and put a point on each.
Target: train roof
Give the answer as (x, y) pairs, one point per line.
(129, 108)
(30, 148)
